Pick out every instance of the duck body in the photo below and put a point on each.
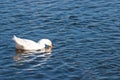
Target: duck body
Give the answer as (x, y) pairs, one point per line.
(26, 44)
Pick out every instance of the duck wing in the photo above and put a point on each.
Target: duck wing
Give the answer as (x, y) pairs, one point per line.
(26, 44)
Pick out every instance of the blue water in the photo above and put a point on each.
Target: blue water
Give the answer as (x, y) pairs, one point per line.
(85, 36)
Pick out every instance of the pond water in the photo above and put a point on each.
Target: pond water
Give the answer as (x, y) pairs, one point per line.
(85, 36)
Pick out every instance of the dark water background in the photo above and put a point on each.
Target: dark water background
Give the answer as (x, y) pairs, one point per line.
(85, 35)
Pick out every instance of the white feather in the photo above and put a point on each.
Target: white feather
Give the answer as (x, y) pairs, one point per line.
(26, 44)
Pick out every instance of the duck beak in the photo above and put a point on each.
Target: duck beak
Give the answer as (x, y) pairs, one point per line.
(51, 46)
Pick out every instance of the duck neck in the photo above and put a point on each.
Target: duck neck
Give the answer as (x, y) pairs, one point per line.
(41, 44)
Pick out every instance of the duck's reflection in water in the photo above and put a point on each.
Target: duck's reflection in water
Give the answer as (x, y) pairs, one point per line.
(22, 55)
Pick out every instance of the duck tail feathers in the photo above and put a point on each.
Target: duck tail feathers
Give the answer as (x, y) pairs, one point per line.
(14, 37)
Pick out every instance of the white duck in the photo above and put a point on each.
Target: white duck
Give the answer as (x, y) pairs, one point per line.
(25, 44)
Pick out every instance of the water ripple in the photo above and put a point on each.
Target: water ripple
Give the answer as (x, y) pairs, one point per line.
(85, 36)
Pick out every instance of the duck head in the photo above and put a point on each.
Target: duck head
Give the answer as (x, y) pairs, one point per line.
(46, 42)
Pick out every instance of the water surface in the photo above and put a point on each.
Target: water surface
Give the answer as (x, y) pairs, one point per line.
(85, 36)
